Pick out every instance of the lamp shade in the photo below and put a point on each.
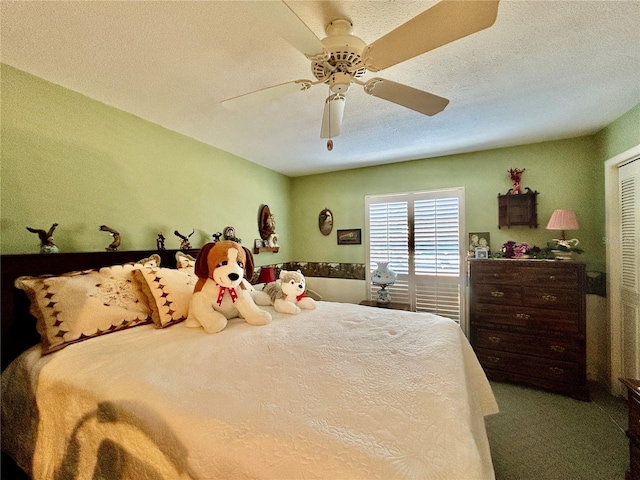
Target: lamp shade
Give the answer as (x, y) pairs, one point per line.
(267, 275)
(563, 220)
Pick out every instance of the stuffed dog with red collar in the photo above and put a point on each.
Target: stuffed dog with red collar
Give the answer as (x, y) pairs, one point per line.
(221, 292)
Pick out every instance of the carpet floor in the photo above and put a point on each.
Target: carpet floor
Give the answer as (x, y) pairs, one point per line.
(545, 436)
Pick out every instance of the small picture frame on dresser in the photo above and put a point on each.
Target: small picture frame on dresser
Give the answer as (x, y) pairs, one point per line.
(482, 252)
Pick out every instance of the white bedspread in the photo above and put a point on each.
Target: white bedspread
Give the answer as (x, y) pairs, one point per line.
(342, 392)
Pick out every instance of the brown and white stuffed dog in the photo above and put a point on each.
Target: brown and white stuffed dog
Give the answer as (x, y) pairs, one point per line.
(221, 292)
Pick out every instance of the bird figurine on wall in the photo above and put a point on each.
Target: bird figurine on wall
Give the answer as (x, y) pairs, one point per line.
(116, 238)
(46, 239)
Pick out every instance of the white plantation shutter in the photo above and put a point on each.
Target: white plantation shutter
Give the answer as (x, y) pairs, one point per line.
(419, 235)
(629, 177)
(389, 235)
(437, 253)
(629, 235)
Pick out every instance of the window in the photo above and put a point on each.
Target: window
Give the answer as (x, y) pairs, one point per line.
(419, 234)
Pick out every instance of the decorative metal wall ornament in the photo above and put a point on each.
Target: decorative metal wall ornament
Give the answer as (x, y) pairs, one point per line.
(325, 221)
(267, 227)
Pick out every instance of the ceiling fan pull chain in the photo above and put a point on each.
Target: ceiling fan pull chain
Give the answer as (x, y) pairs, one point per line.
(330, 141)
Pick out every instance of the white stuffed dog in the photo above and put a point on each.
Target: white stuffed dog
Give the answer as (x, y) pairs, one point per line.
(288, 295)
(221, 292)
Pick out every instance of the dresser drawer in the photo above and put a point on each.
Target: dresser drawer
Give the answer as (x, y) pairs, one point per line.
(548, 276)
(528, 365)
(634, 416)
(494, 272)
(532, 319)
(563, 349)
(561, 299)
(500, 294)
(634, 460)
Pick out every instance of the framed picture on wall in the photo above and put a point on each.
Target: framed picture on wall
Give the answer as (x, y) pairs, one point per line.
(478, 239)
(352, 236)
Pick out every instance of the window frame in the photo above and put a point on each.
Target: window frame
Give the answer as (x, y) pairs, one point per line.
(410, 283)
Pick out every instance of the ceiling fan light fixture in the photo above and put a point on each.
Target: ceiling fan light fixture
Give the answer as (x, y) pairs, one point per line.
(332, 117)
(339, 82)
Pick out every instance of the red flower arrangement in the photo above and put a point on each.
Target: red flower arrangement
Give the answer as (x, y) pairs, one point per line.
(516, 176)
(512, 249)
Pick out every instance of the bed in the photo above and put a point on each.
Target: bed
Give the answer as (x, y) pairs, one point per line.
(343, 391)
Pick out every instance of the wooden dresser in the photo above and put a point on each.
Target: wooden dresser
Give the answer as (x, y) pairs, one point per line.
(633, 391)
(527, 322)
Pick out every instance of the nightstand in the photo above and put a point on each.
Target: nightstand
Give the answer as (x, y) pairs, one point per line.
(390, 306)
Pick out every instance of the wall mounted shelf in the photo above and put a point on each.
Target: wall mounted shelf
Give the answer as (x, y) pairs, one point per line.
(517, 209)
(266, 249)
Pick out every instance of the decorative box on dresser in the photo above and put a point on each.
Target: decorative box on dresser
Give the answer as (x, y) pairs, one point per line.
(527, 322)
(633, 391)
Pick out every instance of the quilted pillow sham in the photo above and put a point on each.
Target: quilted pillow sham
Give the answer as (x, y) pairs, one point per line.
(77, 306)
(184, 261)
(169, 292)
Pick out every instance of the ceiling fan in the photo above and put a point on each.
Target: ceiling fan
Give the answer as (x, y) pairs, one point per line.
(342, 59)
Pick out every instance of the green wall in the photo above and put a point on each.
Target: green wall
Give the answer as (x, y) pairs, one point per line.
(620, 135)
(80, 163)
(563, 172)
(566, 173)
(75, 161)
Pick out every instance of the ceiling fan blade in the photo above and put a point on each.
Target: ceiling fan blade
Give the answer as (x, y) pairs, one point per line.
(332, 117)
(443, 23)
(418, 100)
(262, 96)
(282, 20)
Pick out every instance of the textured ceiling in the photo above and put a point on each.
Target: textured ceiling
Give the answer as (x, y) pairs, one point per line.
(545, 70)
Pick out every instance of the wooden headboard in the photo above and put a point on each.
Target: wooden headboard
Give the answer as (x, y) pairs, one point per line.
(18, 326)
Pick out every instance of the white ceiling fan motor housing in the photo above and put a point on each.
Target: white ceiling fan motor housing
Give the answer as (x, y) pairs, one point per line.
(344, 54)
(339, 82)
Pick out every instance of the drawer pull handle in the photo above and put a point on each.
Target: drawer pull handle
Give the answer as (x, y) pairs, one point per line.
(493, 359)
(494, 339)
(552, 277)
(557, 348)
(523, 316)
(497, 294)
(556, 370)
(549, 298)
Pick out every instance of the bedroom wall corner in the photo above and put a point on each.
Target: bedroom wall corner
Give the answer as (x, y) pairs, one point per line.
(70, 159)
(620, 135)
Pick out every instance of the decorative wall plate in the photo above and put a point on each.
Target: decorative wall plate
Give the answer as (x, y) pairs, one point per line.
(325, 221)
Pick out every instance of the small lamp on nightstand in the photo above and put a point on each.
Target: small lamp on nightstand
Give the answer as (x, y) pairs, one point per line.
(384, 277)
(563, 220)
(267, 275)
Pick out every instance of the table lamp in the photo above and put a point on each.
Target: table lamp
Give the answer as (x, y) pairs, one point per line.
(563, 220)
(267, 275)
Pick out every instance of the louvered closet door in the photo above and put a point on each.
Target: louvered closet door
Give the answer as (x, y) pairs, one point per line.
(629, 188)
(419, 235)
